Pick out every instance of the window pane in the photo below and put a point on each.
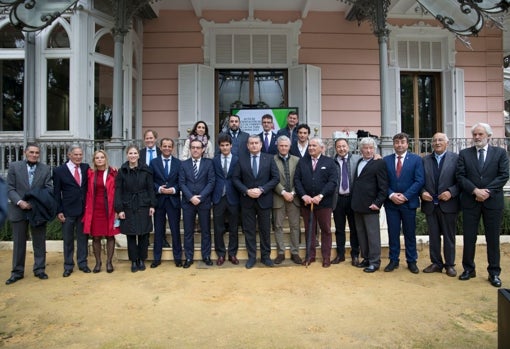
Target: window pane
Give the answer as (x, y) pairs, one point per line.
(58, 38)
(105, 45)
(13, 74)
(57, 108)
(11, 37)
(269, 89)
(103, 101)
(407, 103)
(427, 105)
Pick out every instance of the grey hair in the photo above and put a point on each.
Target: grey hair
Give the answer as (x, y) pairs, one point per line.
(486, 127)
(441, 133)
(318, 140)
(253, 136)
(367, 141)
(73, 147)
(283, 138)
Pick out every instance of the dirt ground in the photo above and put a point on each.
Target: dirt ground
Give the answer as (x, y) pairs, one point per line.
(230, 307)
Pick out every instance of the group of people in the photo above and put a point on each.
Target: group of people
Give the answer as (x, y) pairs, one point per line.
(259, 181)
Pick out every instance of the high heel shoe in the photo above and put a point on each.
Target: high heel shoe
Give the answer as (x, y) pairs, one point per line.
(97, 268)
(109, 267)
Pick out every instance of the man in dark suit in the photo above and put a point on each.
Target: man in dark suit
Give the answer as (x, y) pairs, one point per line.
(482, 171)
(406, 178)
(369, 190)
(239, 138)
(316, 181)
(165, 170)
(267, 136)
(22, 177)
(439, 202)
(225, 202)
(342, 213)
(299, 147)
(290, 130)
(70, 187)
(255, 177)
(196, 180)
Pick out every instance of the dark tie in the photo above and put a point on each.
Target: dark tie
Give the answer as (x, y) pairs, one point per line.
(266, 143)
(195, 168)
(399, 165)
(167, 171)
(254, 165)
(286, 171)
(225, 169)
(481, 158)
(345, 175)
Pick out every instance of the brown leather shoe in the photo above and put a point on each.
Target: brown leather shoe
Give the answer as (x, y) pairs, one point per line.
(233, 260)
(296, 259)
(433, 268)
(338, 259)
(220, 261)
(279, 259)
(450, 271)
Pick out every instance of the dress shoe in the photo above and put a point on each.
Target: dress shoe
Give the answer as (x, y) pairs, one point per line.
(296, 259)
(42, 276)
(450, 271)
(279, 259)
(495, 280)
(67, 273)
(267, 262)
(338, 259)
(250, 263)
(433, 268)
(466, 275)
(308, 261)
(413, 268)
(134, 267)
(392, 265)
(85, 269)
(141, 265)
(178, 263)
(220, 261)
(97, 268)
(207, 261)
(165, 243)
(109, 267)
(371, 269)
(355, 261)
(326, 264)
(188, 263)
(363, 264)
(233, 260)
(13, 279)
(155, 264)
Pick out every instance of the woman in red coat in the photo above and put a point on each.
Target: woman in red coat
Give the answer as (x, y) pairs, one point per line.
(100, 218)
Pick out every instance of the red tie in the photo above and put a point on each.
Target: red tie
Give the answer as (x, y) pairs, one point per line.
(399, 165)
(77, 175)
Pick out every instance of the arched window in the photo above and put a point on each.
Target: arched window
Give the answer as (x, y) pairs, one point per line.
(103, 85)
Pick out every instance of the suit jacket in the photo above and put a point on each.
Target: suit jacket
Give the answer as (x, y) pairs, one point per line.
(324, 180)
(172, 181)
(18, 186)
(352, 165)
(267, 178)
(447, 181)
(69, 195)
(278, 200)
(221, 181)
(3, 201)
(286, 132)
(273, 149)
(294, 150)
(143, 155)
(370, 187)
(239, 144)
(410, 182)
(203, 185)
(493, 176)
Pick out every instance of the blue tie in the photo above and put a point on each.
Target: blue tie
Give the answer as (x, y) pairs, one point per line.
(151, 155)
(254, 165)
(345, 175)
(195, 168)
(167, 170)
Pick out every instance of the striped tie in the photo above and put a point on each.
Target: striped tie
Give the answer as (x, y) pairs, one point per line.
(195, 168)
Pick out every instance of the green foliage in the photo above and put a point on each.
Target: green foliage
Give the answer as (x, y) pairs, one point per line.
(53, 231)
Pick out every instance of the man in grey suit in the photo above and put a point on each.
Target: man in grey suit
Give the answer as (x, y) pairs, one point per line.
(439, 202)
(482, 171)
(285, 202)
(23, 177)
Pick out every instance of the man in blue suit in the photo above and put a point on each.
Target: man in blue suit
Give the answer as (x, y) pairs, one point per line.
(239, 138)
(267, 136)
(255, 177)
(196, 180)
(482, 171)
(406, 178)
(165, 169)
(225, 202)
(70, 188)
